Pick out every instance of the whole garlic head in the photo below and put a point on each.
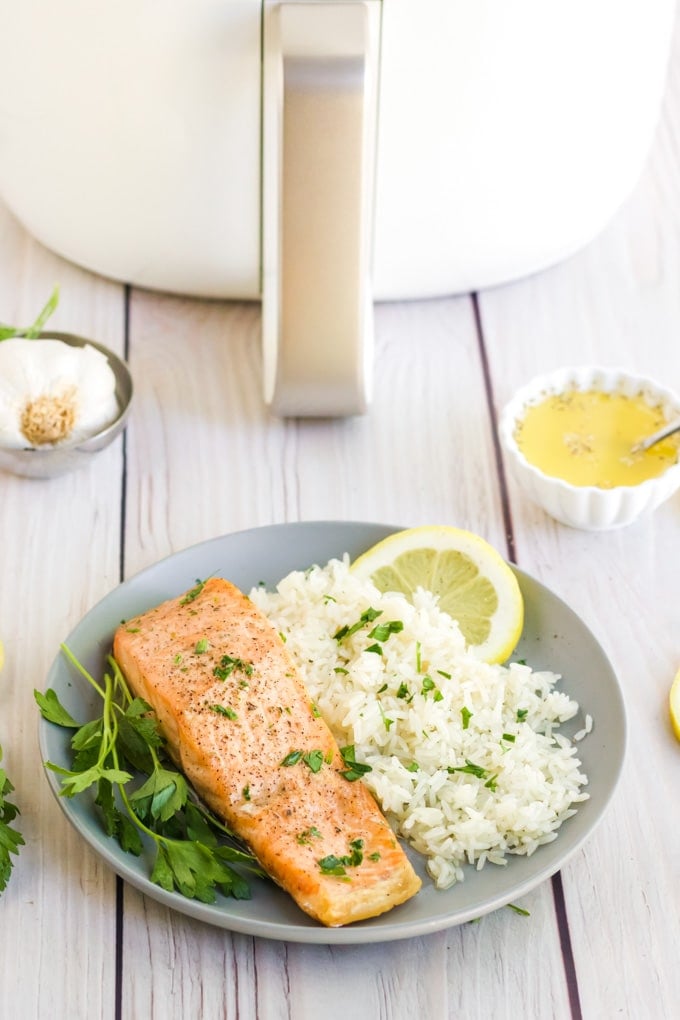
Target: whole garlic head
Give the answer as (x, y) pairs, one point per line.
(52, 393)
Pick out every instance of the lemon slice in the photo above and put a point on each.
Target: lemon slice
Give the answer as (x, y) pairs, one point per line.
(474, 583)
(674, 705)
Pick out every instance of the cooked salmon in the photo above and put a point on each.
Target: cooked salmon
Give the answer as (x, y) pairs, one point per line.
(240, 724)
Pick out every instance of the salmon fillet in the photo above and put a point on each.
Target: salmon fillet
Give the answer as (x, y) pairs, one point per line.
(239, 723)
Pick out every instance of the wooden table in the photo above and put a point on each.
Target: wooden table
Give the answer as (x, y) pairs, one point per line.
(203, 457)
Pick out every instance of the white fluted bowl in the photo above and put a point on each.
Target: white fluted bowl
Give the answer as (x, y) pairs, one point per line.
(587, 506)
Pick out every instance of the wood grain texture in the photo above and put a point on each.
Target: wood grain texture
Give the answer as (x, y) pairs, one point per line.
(201, 457)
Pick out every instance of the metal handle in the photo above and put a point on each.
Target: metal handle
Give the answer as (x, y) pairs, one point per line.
(320, 80)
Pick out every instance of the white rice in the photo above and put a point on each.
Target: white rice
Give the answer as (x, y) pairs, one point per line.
(412, 736)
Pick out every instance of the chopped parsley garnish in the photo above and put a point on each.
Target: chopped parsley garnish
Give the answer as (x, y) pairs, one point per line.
(470, 769)
(368, 616)
(403, 692)
(312, 759)
(355, 769)
(465, 715)
(374, 648)
(522, 713)
(387, 721)
(382, 631)
(341, 669)
(193, 594)
(303, 838)
(292, 758)
(510, 737)
(332, 865)
(413, 767)
(228, 664)
(430, 686)
(375, 856)
(202, 646)
(225, 710)
(518, 910)
(246, 792)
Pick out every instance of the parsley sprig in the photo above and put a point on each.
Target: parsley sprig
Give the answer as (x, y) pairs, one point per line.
(10, 837)
(121, 754)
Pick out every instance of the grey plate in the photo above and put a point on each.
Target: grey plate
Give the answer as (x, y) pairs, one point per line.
(554, 638)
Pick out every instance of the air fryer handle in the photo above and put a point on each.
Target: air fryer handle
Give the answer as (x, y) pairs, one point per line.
(319, 124)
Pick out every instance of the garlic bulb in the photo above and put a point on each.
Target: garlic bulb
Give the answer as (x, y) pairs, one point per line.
(53, 393)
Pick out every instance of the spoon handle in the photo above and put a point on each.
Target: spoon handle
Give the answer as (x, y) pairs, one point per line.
(656, 437)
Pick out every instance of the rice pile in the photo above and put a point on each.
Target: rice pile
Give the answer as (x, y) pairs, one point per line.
(465, 757)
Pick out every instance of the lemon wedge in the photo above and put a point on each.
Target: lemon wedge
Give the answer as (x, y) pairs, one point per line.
(474, 583)
(674, 705)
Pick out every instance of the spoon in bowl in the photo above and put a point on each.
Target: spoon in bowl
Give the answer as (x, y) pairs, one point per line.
(668, 429)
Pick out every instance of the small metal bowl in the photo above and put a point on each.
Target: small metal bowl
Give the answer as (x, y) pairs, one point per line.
(57, 460)
(587, 506)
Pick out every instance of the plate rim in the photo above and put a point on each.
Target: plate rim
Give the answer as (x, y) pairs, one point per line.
(373, 930)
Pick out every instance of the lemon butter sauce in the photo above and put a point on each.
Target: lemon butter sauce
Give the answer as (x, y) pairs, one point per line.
(586, 437)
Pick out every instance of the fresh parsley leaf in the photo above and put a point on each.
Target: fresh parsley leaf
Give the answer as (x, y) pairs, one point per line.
(191, 856)
(52, 709)
(355, 769)
(162, 795)
(10, 837)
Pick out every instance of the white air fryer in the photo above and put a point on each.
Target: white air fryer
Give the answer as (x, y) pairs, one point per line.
(323, 154)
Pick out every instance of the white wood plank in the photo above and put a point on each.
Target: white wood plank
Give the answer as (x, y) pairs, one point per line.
(59, 555)
(616, 303)
(204, 458)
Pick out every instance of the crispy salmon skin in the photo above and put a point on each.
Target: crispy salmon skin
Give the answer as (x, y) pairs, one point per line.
(239, 722)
